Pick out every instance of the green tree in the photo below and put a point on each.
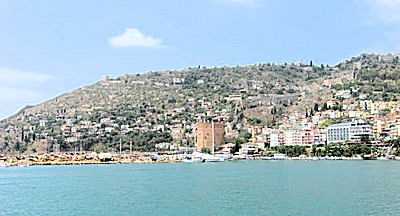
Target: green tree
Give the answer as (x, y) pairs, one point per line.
(205, 150)
(245, 135)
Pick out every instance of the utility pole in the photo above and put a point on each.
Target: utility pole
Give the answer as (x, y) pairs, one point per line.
(130, 147)
(120, 146)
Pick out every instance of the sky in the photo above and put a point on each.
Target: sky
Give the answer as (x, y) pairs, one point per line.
(51, 47)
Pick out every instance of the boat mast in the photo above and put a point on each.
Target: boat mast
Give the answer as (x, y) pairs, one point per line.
(195, 139)
(213, 138)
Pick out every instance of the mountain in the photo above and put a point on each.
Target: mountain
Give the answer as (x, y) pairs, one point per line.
(163, 106)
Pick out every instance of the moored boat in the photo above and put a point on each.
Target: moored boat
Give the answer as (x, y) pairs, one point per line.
(192, 160)
(195, 157)
(211, 158)
(369, 157)
(280, 157)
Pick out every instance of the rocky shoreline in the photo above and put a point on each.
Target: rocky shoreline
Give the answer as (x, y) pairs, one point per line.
(85, 159)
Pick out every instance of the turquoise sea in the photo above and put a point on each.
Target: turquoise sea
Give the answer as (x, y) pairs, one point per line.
(229, 188)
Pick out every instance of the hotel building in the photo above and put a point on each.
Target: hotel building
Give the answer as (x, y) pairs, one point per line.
(350, 131)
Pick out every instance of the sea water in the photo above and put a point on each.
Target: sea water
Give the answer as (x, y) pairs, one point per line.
(228, 188)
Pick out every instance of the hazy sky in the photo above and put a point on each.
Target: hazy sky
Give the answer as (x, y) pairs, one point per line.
(50, 47)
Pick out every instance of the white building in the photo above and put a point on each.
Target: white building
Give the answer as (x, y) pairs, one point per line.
(227, 147)
(124, 127)
(167, 146)
(248, 148)
(109, 129)
(42, 123)
(344, 94)
(350, 131)
(177, 80)
(71, 139)
(276, 138)
(293, 137)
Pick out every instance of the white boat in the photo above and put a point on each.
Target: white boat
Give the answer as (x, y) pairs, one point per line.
(239, 157)
(280, 157)
(223, 155)
(195, 157)
(211, 158)
(192, 160)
